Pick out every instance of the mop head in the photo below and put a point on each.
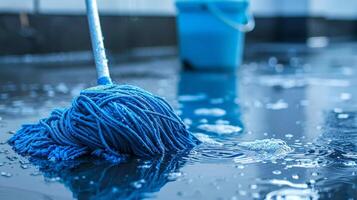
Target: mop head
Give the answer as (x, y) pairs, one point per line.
(111, 122)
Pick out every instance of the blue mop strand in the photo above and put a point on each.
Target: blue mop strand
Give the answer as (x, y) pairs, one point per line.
(112, 122)
(109, 121)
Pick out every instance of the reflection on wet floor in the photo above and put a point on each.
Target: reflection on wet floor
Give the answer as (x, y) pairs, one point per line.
(283, 127)
(134, 179)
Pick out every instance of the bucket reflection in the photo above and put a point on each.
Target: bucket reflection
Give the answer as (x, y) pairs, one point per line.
(209, 98)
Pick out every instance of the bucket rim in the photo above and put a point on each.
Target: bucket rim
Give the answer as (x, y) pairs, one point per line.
(211, 1)
(223, 4)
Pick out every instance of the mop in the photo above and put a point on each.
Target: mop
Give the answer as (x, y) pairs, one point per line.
(109, 121)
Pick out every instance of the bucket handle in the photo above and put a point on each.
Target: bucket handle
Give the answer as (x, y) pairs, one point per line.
(243, 27)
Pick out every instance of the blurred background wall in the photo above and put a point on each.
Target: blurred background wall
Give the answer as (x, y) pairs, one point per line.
(44, 26)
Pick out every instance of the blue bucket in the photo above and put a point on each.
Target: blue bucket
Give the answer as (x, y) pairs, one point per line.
(211, 32)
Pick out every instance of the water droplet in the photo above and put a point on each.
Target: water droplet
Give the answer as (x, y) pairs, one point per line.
(36, 173)
(280, 182)
(115, 190)
(304, 102)
(220, 121)
(145, 166)
(196, 97)
(11, 132)
(257, 104)
(256, 195)
(352, 155)
(11, 158)
(342, 116)
(345, 96)
(289, 136)
(215, 112)
(253, 186)
(187, 121)
(240, 166)
(217, 101)
(24, 166)
(350, 163)
(272, 61)
(337, 110)
(220, 129)
(54, 179)
(50, 93)
(279, 105)
(276, 172)
(62, 88)
(174, 175)
(234, 198)
(203, 121)
(138, 184)
(242, 192)
(295, 176)
(5, 174)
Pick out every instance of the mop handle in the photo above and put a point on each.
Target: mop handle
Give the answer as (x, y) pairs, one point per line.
(100, 58)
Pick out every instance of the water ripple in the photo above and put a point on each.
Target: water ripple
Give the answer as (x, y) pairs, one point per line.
(290, 193)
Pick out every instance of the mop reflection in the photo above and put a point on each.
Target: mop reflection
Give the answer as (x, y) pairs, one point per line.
(134, 179)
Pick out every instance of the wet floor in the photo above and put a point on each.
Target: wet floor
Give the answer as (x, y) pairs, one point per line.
(283, 127)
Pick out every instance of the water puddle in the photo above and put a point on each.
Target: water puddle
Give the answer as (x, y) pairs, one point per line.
(220, 129)
(272, 132)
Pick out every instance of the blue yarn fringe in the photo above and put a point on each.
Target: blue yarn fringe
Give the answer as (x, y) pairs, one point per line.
(109, 121)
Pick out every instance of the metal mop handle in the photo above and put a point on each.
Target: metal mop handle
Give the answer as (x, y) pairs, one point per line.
(100, 58)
